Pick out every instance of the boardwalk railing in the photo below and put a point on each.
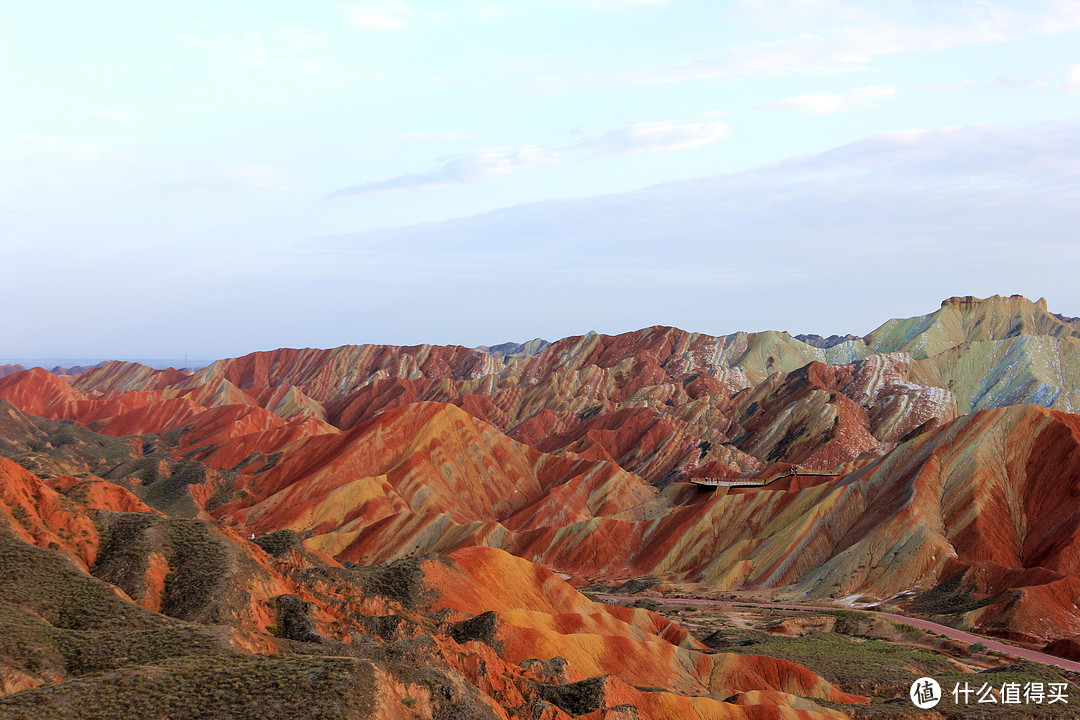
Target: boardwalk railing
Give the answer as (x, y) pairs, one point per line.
(759, 481)
(731, 482)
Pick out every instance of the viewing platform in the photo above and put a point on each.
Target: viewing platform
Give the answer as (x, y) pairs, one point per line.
(738, 482)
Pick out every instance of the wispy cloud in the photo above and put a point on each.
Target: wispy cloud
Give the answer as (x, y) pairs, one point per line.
(1002, 82)
(899, 220)
(827, 103)
(488, 11)
(47, 148)
(1014, 83)
(56, 163)
(464, 169)
(619, 4)
(658, 137)
(972, 159)
(433, 136)
(1072, 83)
(301, 38)
(823, 36)
(232, 180)
(288, 47)
(117, 114)
(381, 15)
(490, 163)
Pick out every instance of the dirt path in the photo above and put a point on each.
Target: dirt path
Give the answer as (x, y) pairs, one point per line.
(945, 630)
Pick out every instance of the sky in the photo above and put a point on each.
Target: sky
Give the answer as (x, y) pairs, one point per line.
(210, 179)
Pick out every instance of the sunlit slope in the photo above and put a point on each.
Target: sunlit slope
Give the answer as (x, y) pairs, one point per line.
(110, 608)
(986, 510)
(991, 353)
(994, 490)
(1038, 369)
(532, 613)
(661, 402)
(431, 459)
(968, 319)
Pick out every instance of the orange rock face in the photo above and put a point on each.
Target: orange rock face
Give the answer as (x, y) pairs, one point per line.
(535, 614)
(41, 516)
(516, 634)
(576, 459)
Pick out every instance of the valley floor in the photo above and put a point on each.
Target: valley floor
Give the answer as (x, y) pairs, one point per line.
(874, 653)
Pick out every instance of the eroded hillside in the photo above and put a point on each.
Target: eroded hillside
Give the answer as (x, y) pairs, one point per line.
(933, 464)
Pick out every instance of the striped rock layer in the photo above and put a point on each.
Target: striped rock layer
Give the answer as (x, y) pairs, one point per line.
(949, 436)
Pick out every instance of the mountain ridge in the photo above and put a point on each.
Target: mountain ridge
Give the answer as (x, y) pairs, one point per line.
(435, 506)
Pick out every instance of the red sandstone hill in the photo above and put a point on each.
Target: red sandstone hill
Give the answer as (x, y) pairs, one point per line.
(575, 457)
(106, 603)
(710, 400)
(429, 477)
(9, 369)
(980, 533)
(717, 393)
(433, 460)
(600, 399)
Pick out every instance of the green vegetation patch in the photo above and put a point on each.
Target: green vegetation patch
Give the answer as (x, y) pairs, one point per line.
(47, 583)
(481, 628)
(200, 567)
(49, 448)
(279, 542)
(123, 557)
(576, 698)
(867, 667)
(40, 648)
(294, 620)
(57, 621)
(635, 586)
(950, 598)
(169, 493)
(209, 688)
(401, 581)
(197, 558)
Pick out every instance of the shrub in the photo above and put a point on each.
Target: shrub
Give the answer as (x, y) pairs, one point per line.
(279, 542)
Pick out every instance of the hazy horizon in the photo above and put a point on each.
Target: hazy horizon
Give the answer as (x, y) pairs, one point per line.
(156, 363)
(193, 363)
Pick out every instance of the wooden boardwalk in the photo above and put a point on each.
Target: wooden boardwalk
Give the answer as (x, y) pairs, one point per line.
(737, 482)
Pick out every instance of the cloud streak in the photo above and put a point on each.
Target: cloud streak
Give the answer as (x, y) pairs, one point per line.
(256, 50)
(380, 15)
(828, 103)
(117, 114)
(428, 136)
(464, 169)
(1072, 83)
(490, 163)
(897, 220)
(619, 4)
(827, 37)
(658, 137)
(232, 180)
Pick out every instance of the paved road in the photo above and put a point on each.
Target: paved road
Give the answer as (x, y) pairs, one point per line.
(945, 630)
